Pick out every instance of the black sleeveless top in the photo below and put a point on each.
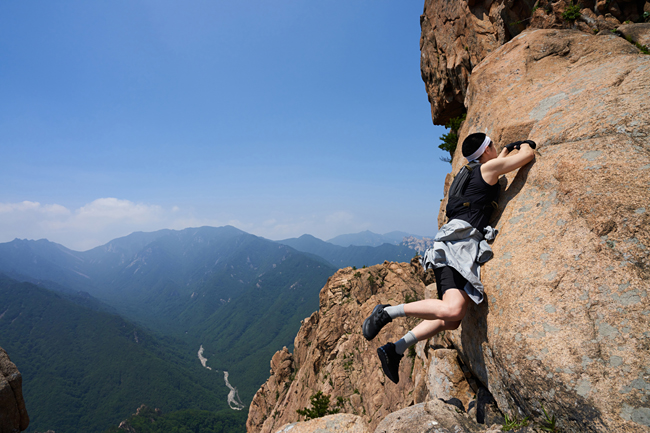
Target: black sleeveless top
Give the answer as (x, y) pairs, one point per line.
(481, 195)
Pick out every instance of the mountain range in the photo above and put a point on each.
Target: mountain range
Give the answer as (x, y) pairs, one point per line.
(131, 315)
(353, 255)
(369, 239)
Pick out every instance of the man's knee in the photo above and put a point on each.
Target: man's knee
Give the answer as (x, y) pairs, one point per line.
(455, 312)
(456, 302)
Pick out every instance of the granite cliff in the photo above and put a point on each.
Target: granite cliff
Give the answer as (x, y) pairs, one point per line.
(331, 355)
(567, 315)
(457, 35)
(13, 415)
(564, 328)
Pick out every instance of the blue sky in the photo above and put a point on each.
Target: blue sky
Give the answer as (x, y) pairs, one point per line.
(280, 118)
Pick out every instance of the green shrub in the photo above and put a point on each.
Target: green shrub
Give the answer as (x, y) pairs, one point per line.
(572, 12)
(319, 407)
(643, 48)
(450, 139)
(410, 298)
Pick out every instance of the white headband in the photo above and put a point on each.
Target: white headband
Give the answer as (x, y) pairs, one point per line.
(480, 150)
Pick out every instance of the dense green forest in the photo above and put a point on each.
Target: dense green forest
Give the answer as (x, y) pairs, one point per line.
(149, 420)
(84, 370)
(243, 344)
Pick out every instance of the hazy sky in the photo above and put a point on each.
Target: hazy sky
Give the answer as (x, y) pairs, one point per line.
(278, 117)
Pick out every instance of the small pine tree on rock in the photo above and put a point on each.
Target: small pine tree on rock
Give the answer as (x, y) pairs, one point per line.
(319, 407)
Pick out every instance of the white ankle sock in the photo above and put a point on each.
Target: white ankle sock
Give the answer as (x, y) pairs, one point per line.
(396, 311)
(405, 342)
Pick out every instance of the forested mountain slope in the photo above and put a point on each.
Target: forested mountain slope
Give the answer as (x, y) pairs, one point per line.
(239, 296)
(358, 256)
(84, 370)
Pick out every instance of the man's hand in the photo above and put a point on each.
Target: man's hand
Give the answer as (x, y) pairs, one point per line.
(514, 145)
(517, 145)
(491, 170)
(531, 143)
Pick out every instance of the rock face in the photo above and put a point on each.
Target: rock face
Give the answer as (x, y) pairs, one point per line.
(433, 416)
(332, 356)
(567, 315)
(343, 423)
(457, 35)
(13, 415)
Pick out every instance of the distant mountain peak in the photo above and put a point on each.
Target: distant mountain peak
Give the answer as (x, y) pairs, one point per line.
(370, 239)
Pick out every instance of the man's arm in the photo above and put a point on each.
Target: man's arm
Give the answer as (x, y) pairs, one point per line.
(505, 163)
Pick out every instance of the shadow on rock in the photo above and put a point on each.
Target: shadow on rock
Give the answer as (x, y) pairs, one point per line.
(509, 192)
(473, 337)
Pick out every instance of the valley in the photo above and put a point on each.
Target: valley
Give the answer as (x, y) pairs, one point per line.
(107, 330)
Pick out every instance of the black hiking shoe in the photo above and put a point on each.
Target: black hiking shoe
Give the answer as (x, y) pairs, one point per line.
(390, 361)
(377, 320)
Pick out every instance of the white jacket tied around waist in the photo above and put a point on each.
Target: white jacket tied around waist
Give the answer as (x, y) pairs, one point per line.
(464, 248)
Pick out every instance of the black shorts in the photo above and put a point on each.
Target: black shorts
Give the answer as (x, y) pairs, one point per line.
(448, 278)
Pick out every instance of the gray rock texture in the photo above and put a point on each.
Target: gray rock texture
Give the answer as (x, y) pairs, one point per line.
(433, 416)
(340, 423)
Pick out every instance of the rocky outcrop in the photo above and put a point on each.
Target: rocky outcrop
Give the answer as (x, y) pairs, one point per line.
(418, 244)
(433, 416)
(343, 423)
(636, 33)
(566, 320)
(332, 356)
(13, 415)
(457, 35)
(143, 411)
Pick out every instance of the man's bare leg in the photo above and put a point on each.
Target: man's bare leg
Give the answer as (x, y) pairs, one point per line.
(428, 328)
(439, 315)
(452, 307)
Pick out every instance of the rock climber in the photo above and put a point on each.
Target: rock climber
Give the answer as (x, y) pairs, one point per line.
(460, 248)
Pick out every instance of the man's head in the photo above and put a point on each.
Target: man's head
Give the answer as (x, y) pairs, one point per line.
(478, 146)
